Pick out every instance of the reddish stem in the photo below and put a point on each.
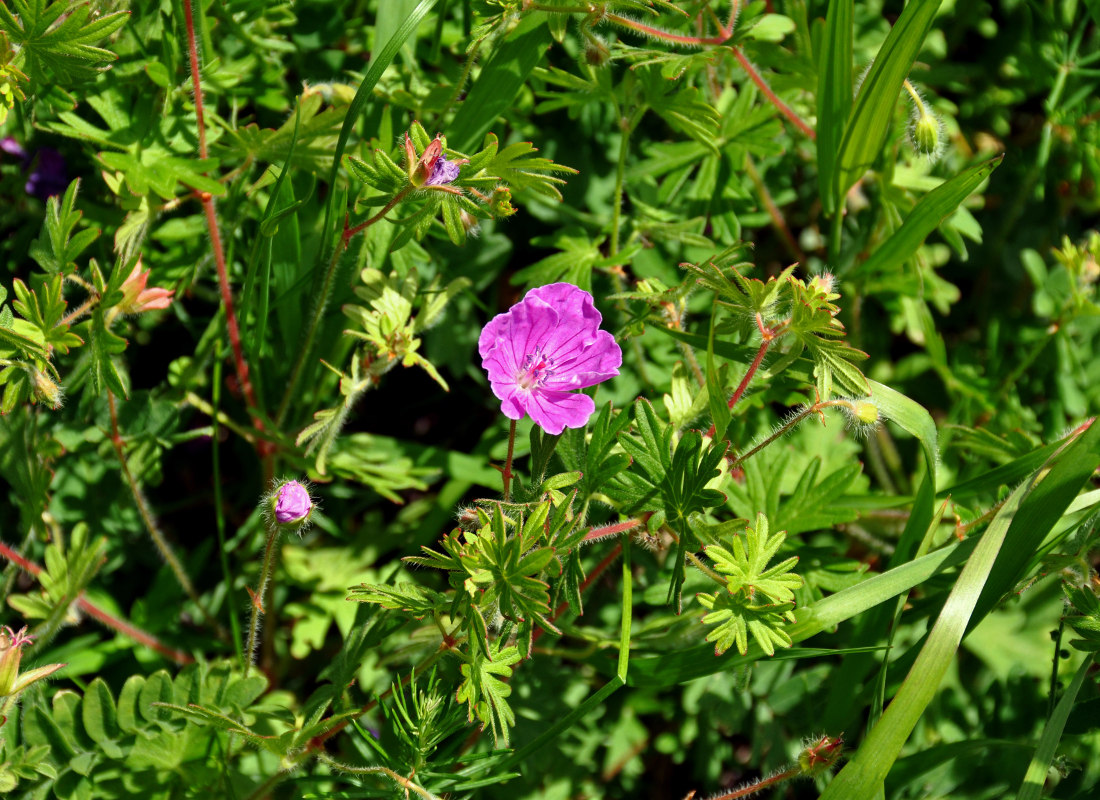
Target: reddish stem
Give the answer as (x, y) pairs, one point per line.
(766, 90)
(769, 337)
(207, 201)
(608, 530)
(120, 625)
(607, 561)
(760, 785)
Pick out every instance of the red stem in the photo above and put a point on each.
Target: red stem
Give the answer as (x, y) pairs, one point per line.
(207, 201)
(769, 337)
(608, 530)
(762, 85)
(116, 623)
(607, 561)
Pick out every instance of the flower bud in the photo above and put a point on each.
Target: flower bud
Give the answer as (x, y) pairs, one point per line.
(11, 652)
(46, 390)
(866, 412)
(820, 755)
(291, 504)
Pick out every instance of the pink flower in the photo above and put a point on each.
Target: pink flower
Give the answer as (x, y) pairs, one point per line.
(136, 298)
(543, 348)
(292, 503)
(431, 168)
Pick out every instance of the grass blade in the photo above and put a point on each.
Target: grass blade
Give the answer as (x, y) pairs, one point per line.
(925, 217)
(873, 112)
(500, 81)
(834, 96)
(863, 776)
(1032, 787)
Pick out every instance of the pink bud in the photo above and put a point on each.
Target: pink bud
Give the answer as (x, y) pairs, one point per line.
(292, 504)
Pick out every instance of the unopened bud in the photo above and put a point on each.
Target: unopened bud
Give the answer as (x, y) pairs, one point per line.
(926, 134)
(500, 203)
(291, 505)
(46, 390)
(865, 411)
(820, 755)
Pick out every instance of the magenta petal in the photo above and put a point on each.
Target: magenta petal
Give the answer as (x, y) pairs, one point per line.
(542, 348)
(553, 411)
(443, 171)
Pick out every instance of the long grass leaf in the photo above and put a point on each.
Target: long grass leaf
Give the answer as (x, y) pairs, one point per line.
(926, 216)
(834, 96)
(864, 775)
(873, 111)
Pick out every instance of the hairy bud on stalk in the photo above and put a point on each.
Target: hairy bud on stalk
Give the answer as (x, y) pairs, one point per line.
(926, 133)
(819, 755)
(46, 389)
(11, 653)
(291, 505)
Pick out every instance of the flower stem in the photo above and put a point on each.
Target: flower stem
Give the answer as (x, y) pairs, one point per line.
(155, 533)
(207, 201)
(397, 778)
(258, 595)
(322, 301)
(92, 610)
(757, 786)
(790, 424)
(506, 473)
(766, 90)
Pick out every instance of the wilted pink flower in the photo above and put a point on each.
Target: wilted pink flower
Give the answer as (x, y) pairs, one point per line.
(136, 298)
(543, 348)
(292, 503)
(431, 168)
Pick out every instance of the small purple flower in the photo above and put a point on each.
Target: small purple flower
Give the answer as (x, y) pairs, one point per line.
(48, 177)
(443, 171)
(292, 503)
(13, 148)
(543, 348)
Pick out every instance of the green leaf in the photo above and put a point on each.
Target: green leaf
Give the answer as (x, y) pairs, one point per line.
(56, 248)
(105, 344)
(59, 51)
(1035, 779)
(485, 690)
(99, 714)
(502, 78)
(758, 599)
(926, 216)
(873, 111)
(834, 96)
(863, 776)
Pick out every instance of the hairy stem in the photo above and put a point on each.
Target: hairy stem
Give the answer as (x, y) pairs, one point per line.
(110, 620)
(151, 526)
(397, 778)
(506, 473)
(773, 98)
(322, 301)
(207, 201)
(258, 595)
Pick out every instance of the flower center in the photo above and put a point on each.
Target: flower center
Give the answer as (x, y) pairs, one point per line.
(534, 371)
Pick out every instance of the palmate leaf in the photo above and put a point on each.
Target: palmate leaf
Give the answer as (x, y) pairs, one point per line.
(759, 599)
(735, 620)
(485, 691)
(59, 52)
(671, 482)
(56, 248)
(515, 166)
(45, 308)
(412, 598)
(745, 565)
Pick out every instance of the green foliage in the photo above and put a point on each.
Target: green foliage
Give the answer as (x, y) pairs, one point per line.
(759, 599)
(840, 420)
